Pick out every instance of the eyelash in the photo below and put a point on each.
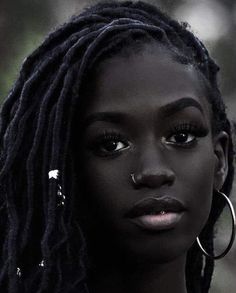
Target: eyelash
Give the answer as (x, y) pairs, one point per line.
(189, 129)
(113, 136)
(107, 136)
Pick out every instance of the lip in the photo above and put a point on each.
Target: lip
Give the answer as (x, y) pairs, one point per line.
(155, 213)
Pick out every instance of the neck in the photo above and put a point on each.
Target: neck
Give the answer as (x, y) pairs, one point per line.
(146, 278)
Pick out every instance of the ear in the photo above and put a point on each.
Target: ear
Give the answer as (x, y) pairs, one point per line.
(221, 148)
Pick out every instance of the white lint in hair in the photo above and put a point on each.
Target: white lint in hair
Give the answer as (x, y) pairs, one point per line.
(18, 272)
(53, 174)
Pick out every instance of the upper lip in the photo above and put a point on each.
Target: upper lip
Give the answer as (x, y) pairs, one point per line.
(155, 204)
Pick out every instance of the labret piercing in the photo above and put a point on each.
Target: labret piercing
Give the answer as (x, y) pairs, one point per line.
(135, 182)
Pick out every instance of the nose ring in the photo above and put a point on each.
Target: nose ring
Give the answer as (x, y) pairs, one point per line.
(133, 178)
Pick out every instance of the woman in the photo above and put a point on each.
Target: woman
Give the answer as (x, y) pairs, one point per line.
(115, 154)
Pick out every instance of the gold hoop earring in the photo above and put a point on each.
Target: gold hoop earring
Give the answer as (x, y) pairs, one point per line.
(232, 233)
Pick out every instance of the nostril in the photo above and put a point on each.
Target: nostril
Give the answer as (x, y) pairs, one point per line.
(151, 179)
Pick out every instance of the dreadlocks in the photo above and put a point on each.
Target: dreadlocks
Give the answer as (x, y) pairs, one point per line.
(42, 246)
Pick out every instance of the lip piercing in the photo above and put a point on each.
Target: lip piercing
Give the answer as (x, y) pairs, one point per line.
(133, 178)
(162, 212)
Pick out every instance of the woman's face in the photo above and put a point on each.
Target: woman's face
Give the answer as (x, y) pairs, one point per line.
(148, 116)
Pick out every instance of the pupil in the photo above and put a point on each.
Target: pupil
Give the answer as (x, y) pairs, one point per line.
(110, 145)
(181, 137)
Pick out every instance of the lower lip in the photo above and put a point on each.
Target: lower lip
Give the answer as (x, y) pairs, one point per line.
(158, 222)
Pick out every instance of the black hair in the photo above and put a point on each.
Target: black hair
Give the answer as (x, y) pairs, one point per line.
(42, 246)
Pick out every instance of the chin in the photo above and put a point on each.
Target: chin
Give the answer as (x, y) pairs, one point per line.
(148, 250)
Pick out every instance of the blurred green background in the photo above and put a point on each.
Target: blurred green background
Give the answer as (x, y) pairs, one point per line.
(24, 24)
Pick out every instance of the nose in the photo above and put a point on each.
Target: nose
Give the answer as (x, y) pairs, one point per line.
(154, 170)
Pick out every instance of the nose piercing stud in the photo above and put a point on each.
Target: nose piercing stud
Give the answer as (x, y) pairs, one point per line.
(133, 178)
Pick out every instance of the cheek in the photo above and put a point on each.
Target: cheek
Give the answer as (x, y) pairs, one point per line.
(107, 187)
(196, 178)
(107, 191)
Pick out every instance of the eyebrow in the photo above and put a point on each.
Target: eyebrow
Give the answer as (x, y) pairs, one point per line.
(176, 106)
(166, 110)
(113, 117)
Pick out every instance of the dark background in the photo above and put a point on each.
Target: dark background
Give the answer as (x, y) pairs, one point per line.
(24, 24)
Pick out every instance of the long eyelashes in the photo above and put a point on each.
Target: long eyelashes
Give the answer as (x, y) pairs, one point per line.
(109, 143)
(186, 134)
(193, 128)
(112, 142)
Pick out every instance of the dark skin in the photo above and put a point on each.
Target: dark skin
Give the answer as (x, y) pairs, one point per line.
(170, 149)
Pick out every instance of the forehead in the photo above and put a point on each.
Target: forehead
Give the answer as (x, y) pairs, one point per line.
(148, 78)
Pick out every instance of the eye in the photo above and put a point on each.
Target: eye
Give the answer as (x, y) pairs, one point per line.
(186, 134)
(109, 144)
(112, 146)
(182, 137)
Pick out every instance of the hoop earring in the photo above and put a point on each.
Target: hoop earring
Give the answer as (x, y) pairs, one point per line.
(232, 233)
